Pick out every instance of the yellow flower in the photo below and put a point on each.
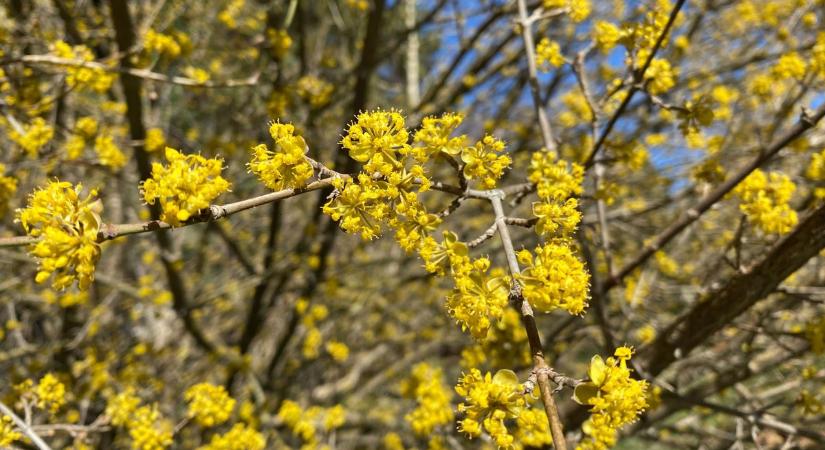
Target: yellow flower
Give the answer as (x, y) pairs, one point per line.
(660, 75)
(606, 35)
(121, 407)
(789, 66)
(187, 184)
(434, 409)
(764, 200)
(478, 298)
(163, 44)
(50, 393)
(210, 405)
(435, 137)
(279, 42)
(484, 162)
(285, 166)
(7, 432)
(555, 278)
(35, 135)
(548, 52)
(616, 399)
(314, 90)
(67, 229)
(490, 400)
(108, 153)
(155, 140)
(148, 430)
(338, 350)
(239, 437)
(79, 76)
(376, 138)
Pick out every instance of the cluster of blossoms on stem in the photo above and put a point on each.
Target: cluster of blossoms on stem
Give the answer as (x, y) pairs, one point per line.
(764, 200)
(146, 427)
(386, 192)
(209, 405)
(33, 136)
(425, 384)
(50, 393)
(548, 54)
(186, 185)
(485, 162)
(80, 76)
(554, 278)
(8, 434)
(239, 437)
(306, 423)
(577, 9)
(479, 297)
(285, 166)
(490, 401)
(558, 183)
(66, 227)
(615, 398)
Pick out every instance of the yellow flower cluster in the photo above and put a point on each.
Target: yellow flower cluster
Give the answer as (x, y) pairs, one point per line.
(615, 398)
(8, 187)
(764, 200)
(148, 430)
(478, 297)
(85, 128)
(314, 90)
(789, 66)
(554, 278)
(35, 135)
(533, 429)
(121, 407)
(185, 186)
(490, 400)
(555, 178)
(7, 432)
(660, 76)
(162, 44)
(364, 206)
(426, 385)
(376, 139)
(548, 54)
(239, 437)
(306, 423)
(210, 405)
(285, 166)
(642, 36)
(606, 35)
(484, 161)
(78, 76)
(50, 393)
(577, 9)
(108, 153)
(435, 137)
(279, 42)
(337, 350)
(155, 140)
(67, 229)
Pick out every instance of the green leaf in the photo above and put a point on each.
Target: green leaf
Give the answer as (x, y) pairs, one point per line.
(584, 392)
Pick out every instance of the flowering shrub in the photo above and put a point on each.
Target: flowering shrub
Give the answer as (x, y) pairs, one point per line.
(455, 210)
